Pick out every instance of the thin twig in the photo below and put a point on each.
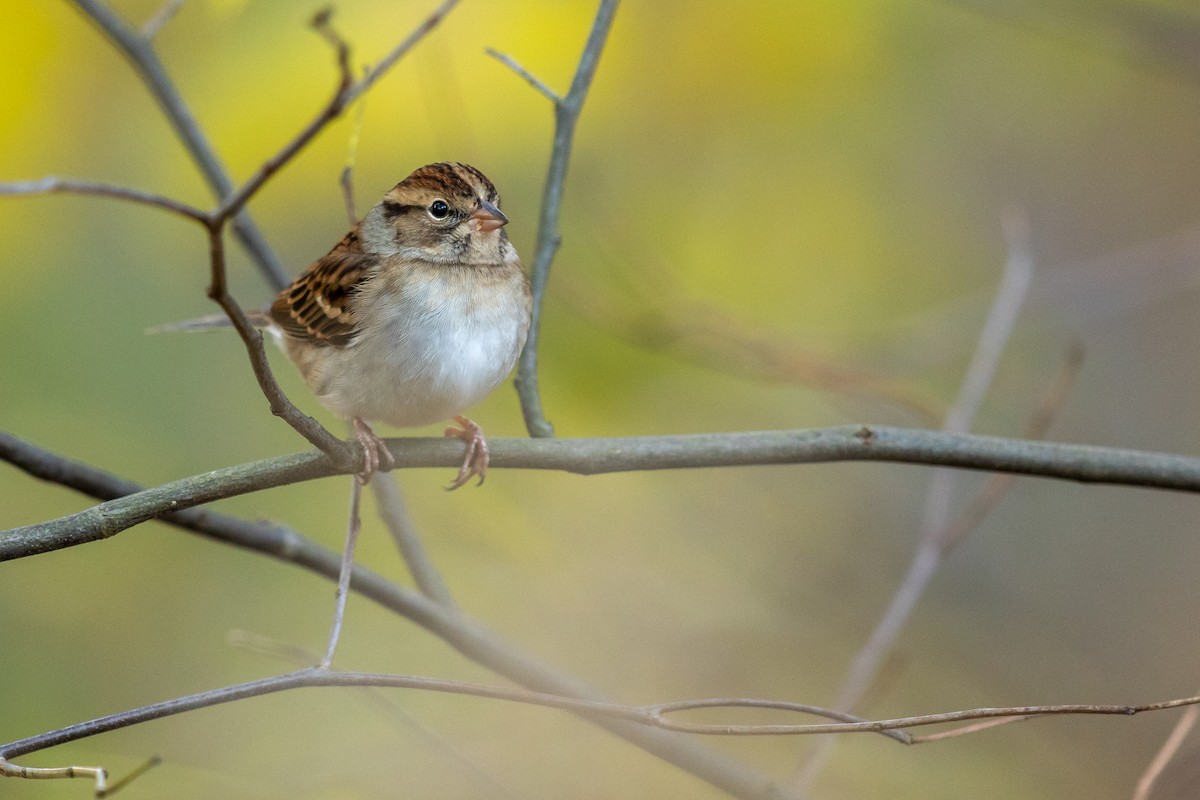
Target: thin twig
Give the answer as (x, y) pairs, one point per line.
(529, 77)
(655, 716)
(398, 52)
(390, 504)
(1082, 463)
(378, 702)
(566, 115)
(165, 14)
(281, 406)
(54, 185)
(353, 526)
(235, 200)
(139, 51)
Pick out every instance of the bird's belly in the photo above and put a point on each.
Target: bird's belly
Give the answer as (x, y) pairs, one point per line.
(423, 364)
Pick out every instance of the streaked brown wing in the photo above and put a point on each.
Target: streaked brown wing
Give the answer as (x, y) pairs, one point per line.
(316, 307)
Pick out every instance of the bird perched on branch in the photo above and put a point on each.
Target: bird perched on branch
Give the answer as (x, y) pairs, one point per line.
(415, 315)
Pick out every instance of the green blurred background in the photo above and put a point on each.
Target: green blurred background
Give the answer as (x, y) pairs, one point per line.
(762, 198)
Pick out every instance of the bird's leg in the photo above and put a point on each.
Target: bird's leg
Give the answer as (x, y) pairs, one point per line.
(343, 587)
(475, 461)
(375, 451)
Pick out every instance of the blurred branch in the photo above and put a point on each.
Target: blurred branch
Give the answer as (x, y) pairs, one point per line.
(1145, 784)
(138, 49)
(997, 330)
(653, 716)
(711, 337)
(566, 114)
(993, 338)
(1083, 463)
(469, 637)
(165, 14)
(1138, 33)
(391, 508)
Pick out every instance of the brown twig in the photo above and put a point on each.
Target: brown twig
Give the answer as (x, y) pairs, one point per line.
(655, 716)
(55, 185)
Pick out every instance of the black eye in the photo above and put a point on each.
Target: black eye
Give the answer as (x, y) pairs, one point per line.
(439, 209)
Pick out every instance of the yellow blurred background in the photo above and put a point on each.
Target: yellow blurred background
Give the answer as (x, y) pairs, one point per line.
(814, 186)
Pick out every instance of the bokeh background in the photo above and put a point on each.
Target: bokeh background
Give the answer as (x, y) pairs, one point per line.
(763, 198)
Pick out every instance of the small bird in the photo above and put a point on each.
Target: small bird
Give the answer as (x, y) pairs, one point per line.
(415, 315)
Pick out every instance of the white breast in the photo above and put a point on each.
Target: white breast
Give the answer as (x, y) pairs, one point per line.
(428, 349)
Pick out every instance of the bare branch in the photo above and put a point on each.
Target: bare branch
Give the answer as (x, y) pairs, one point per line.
(461, 632)
(1083, 463)
(528, 76)
(1170, 747)
(281, 406)
(566, 115)
(139, 51)
(165, 14)
(394, 515)
(400, 50)
(55, 185)
(655, 716)
(993, 338)
(234, 201)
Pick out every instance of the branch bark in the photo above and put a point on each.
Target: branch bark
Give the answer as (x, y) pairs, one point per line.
(1075, 462)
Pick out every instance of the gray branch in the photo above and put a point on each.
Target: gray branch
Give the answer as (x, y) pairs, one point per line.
(475, 641)
(1075, 462)
(566, 115)
(138, 49)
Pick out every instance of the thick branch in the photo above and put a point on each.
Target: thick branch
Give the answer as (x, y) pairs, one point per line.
(1083, 463)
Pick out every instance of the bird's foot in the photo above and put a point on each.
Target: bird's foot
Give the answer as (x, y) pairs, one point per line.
(475, 461)
(375, 451)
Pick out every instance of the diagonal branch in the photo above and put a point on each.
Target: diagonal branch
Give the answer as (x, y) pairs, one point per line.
(469, 637)
(566, 115)
(138, 49)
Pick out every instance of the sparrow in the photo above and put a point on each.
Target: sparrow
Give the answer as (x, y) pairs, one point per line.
(414, 316)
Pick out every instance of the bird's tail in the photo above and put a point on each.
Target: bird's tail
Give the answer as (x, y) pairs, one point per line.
(211, 322)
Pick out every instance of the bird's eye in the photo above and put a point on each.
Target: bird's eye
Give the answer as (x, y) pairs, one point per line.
(439, 209)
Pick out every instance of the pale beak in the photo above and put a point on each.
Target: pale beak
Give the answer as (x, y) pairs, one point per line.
(488, 218)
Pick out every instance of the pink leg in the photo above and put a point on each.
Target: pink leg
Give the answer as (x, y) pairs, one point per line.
(475, 461)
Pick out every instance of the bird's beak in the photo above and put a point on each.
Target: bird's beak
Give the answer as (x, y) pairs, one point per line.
(488, 218)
